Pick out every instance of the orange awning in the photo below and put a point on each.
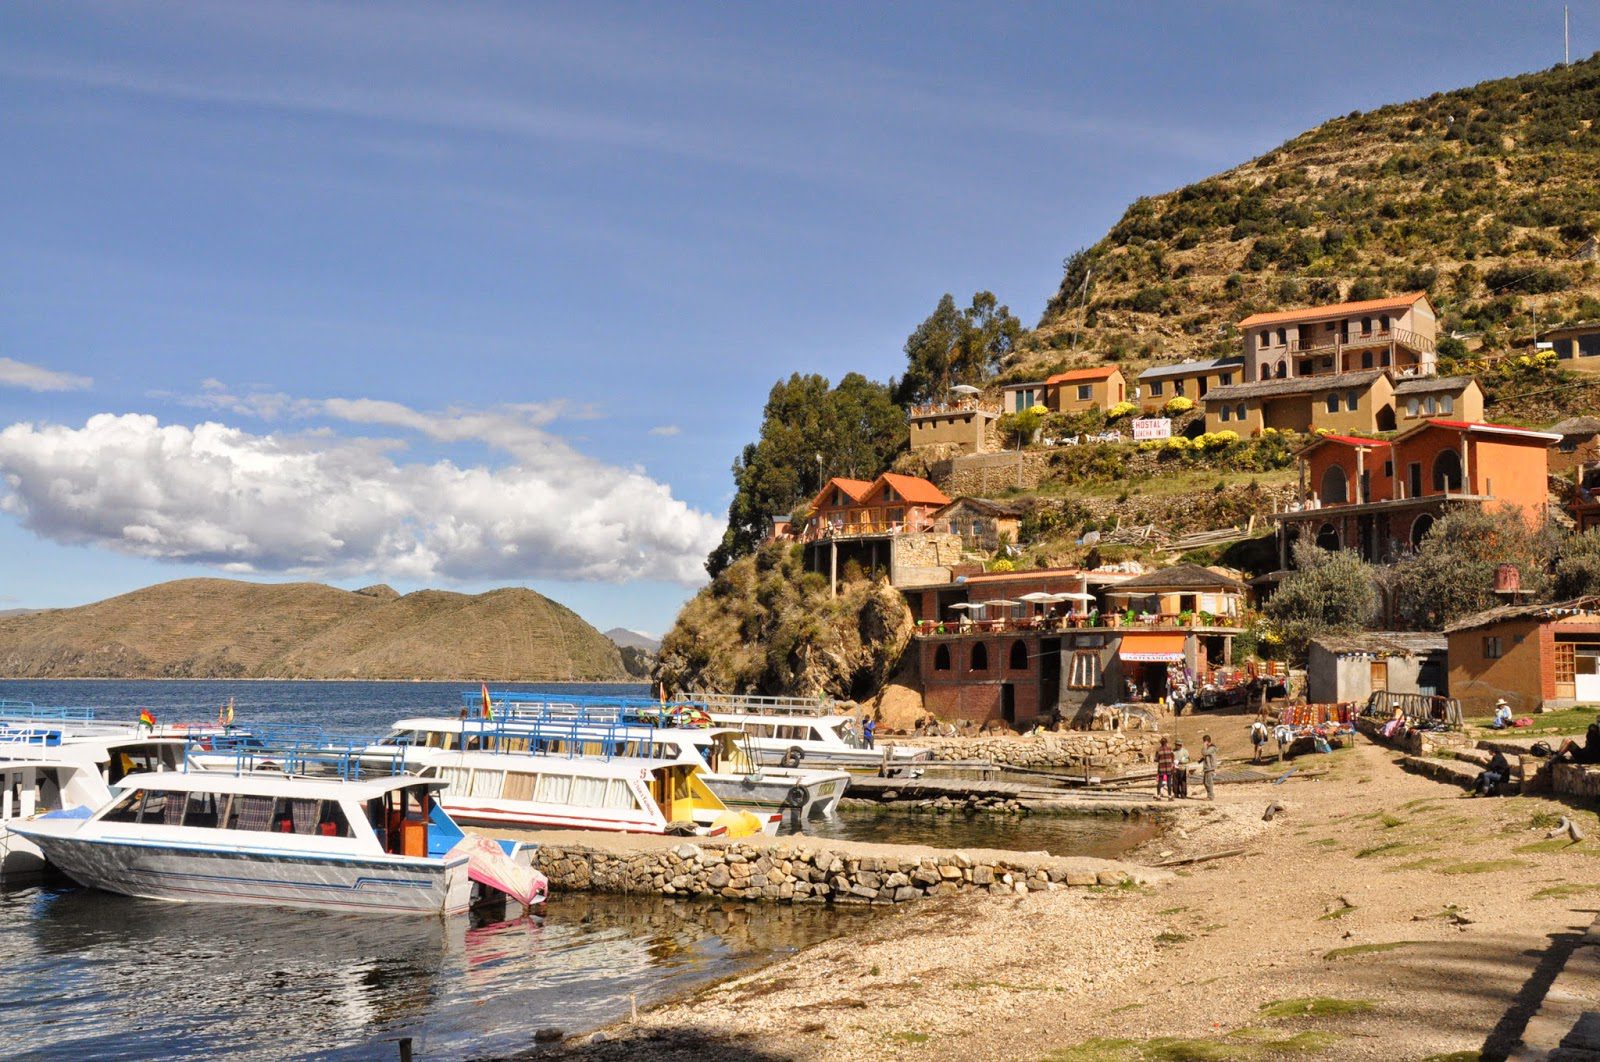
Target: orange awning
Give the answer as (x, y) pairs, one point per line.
(1152, 646)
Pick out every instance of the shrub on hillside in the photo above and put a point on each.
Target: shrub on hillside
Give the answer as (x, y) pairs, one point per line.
(1177, 405)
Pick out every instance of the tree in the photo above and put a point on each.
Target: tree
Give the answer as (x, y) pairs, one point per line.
(954, 346)
(809, 433)
(1452, 573)
(1328, 591)
(1577, 566)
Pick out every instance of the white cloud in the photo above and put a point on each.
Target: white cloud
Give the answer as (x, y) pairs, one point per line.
(310, 503)
(666, 431)
(37, 378)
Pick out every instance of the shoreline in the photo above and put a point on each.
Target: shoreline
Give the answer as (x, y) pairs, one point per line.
(397, 681)
(1380, 914)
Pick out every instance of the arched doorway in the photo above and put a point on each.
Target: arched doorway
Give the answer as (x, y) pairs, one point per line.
(1335, 486)
(1019, 655)
(980, 658)
(1386, 420)
(1420, 528)
(1447, 471)
(1328, 537)
(941, 658)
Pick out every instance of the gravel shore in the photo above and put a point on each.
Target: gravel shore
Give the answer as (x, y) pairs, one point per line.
(1403, 918)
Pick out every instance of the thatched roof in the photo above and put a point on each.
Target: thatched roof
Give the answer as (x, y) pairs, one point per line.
(1382, 643)
(1576, 426)
(1578, 606)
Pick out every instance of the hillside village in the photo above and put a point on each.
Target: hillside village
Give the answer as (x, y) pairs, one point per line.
(1073, 521)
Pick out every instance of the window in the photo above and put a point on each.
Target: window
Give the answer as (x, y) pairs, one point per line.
(588, 792)
(1266, 338)
(1335, 486)
(1413, 407)
(1283, 336)
(1019, 655)
(1491, 648)
(1085, 392)
(519, 786)
(126, 809)
(1447, 404)
(889, 495)
(1352, 400)
(1383, 322)
(980, 658)
(1238, 411)
(619, 796)
(1366, 326)
(1155, 388)
(553, 788)
(1429, 406)
(1177, 387)
(201, 811)
(941, 658)
(1225, 413)
(1224, 379)
(1085, 674)
(1566, 662)
(1388, 470)
(1332, 402)
(1366, 359)
(1568, 445)
(487, 783)
(1384, 359)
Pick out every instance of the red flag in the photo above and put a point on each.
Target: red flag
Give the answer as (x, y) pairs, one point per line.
(488, 709)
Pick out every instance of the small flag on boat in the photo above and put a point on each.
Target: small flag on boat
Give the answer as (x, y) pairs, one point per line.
(146, 718)
(225, 714)
(488, 709)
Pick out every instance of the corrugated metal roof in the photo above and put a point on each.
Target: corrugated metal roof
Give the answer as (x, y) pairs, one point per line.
(1299, 385)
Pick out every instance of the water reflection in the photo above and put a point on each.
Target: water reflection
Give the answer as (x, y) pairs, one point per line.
(91, 974)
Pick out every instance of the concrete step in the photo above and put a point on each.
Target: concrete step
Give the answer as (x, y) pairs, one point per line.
(1452, 771)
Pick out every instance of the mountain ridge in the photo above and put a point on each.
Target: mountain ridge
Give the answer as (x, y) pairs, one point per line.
(223, 628)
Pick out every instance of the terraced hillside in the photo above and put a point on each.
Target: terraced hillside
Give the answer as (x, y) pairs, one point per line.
(1486, 197)
(219, 628)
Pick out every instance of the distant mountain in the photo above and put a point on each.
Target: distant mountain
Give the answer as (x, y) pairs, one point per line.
(220, 628)
(627, 639)
(17, 612)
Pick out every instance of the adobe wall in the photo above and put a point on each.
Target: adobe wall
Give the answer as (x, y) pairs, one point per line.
(985, 475)
(923, 558)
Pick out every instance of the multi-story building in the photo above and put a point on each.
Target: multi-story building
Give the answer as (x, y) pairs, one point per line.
(1340, 402)
(1381, 497)
(963, 423)
(1396, 333)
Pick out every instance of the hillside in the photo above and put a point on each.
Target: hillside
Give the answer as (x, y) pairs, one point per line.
(626, 639)
(1485, 197)
(220, 628)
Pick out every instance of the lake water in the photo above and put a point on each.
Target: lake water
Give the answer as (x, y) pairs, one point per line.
(92, 975)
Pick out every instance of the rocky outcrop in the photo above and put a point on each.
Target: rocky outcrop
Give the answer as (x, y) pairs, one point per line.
(766, 625)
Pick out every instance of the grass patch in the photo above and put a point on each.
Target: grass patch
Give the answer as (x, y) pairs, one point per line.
(1326, 842)
(1556, 844)
(907, 1037)
(1370, 949)
(1544, 820)
(1336, 914)
(1241, 1044)
(1562, 892)
(1391, 821)
(977, 985)
(1565, 721)
(1127, 1007)
(1482, 866)
(1314, 1007)
(1170, 911)
(1391, 848)
(1170, 937)
(1416, 864)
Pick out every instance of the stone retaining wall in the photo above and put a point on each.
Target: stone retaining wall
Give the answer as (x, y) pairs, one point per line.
(808, 875)
(1102, 749)
(1575, 779)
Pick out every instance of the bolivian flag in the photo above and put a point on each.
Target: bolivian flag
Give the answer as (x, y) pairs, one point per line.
(146, 718)
(488, 709)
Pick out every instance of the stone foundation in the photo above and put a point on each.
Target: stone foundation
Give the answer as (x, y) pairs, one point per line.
(1575, 779)
(1099, 749)
(807, 874)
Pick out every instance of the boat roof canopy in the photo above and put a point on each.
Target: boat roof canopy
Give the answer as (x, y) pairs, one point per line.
(263, 783)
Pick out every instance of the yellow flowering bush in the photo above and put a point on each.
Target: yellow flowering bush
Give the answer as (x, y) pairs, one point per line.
(1177, 405)
(1121, 409)
(1002, 565)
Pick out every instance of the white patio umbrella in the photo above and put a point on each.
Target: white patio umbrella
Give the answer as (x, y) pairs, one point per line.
(965, 389)
(965, 605)
(1001, 602)
(1037, 597)
(1071, 595)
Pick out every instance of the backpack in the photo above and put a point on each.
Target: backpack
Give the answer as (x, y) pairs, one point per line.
(1539, 748)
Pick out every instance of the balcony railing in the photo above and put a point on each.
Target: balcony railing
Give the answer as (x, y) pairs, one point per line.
(866, 528)
(1400, 337)
(1102, 622)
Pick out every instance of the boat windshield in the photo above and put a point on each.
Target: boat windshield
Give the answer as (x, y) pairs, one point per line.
(140, 759)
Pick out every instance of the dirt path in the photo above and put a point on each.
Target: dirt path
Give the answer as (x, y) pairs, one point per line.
(1412, 916)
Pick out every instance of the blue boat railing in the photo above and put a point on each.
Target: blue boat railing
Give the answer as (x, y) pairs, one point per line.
(46, 737)
(27, 711)
(346, 759)
(570, 738)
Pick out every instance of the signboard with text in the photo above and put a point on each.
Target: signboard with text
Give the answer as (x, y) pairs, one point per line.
(1152, 428)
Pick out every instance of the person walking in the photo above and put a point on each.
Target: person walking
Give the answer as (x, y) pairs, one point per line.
(1164, 769)
(1258, 740)
(1210, 759)
(1180, 770)
(868, 729)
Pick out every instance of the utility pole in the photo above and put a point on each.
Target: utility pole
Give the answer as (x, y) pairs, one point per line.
(1083, 303)
(1566, 35)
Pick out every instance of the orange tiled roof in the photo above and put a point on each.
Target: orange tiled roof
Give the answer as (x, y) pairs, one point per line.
(913, 489)
(855, 488)
(1102, 372)
(1338, 309)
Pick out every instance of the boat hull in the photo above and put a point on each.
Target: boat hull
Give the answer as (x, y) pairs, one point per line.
(769, 792)
(164, 872)
(20, 857)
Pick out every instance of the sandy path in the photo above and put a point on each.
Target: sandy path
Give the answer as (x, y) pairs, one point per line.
(1449, 879)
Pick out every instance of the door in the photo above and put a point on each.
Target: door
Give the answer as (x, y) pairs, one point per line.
(1380, 676)
(1430, 679)
(1008, 703)
(1587, 671)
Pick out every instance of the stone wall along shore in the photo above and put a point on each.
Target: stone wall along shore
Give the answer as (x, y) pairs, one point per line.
(827, 872)
(1105, 750)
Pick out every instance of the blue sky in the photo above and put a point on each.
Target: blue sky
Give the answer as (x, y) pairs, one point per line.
(470, 295)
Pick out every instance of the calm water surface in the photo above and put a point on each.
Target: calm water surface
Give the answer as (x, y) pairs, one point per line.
(92, 975)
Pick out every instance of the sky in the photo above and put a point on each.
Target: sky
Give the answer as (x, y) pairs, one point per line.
(469, 295)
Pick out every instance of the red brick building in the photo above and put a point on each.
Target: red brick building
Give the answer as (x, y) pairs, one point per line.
(1535, 656)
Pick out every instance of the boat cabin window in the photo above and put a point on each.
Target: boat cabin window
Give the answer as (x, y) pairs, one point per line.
(405, 737)
(140, 759)
(399, 819)
(126, 809)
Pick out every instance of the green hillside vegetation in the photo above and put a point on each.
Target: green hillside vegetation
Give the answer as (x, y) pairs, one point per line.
(221, 628)
(1481, 197)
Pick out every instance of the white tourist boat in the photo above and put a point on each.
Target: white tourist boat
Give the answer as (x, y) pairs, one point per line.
(723, 756)
(49, 768)
(796, 731)
(381, 845)
(511, 786)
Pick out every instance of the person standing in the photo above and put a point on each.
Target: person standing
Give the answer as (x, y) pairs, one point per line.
(868, 729)
(1180, 770)
(1164, 763)
(1210, 759)
(1258, 740)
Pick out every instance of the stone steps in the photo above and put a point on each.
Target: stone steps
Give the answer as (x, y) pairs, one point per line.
(1566, 1027)
(1453, 772)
